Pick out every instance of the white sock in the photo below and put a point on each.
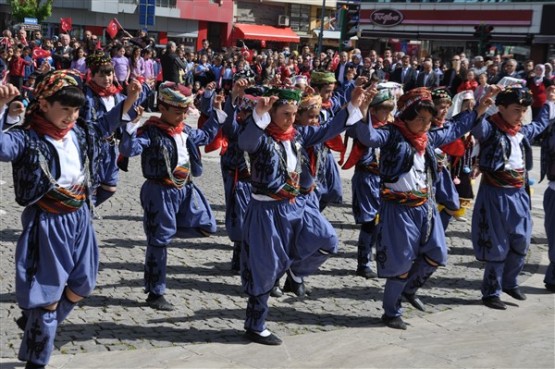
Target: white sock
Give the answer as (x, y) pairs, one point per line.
(264, 333)
(294, 277)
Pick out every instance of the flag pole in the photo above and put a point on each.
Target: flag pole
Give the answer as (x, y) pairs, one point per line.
(123, 29)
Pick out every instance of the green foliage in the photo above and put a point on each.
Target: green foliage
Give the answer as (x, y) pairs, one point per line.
(40, 9)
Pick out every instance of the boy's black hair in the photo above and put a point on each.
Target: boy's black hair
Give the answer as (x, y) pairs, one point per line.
(514, 95)
(414, 109)
(69, 96)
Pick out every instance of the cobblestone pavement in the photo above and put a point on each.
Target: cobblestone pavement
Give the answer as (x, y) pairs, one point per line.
(208, 297)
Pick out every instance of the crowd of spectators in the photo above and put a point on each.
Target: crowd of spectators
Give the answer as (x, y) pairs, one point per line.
(23, 55)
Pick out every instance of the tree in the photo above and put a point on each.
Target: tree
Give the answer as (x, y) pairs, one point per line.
(40, 9)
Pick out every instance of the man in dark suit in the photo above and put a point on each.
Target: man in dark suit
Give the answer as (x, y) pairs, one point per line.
(405, 74)
(171, 63)
(340, 71)
(427, 77)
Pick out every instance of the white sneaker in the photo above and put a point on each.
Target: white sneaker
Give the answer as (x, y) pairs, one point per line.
(461, 219)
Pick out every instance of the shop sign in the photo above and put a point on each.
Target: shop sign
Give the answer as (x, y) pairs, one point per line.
(386, 17)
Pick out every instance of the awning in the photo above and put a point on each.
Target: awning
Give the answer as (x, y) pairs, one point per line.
(183, 34)
(265, 33)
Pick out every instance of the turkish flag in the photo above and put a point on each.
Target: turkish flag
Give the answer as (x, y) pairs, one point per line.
(40, 53)
(112, 28)
(66, 24)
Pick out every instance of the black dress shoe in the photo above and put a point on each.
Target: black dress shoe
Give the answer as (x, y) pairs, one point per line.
(394, 322)
(291, 286)
(21, 322)
(204, 232)
(366, 272)
(271, 340)
(515, 293)
(276, 291)
(414, 301)
(550, 287)
(494, 302)
(158, 302)
(30, 365)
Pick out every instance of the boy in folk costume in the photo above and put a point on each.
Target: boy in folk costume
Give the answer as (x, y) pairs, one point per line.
(235, 164)
(501, 221)
(104, 104)
(329, 189)
(366, 182)
(282, 233)
(461, 165)
(54, 155)
(447, 197)
(169, 160)
(548, 170)
(410, 240)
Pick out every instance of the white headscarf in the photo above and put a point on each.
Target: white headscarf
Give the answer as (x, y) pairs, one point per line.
(539, 77)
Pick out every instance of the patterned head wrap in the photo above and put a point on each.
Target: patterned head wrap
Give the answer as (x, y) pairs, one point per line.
(98, 59)
(441, 93)
(285, 96)
(174, 94)
(249, 100)
(246, 74)
(322, 78)
(412, 97)
(514, 95)
(381, 97)
(309, 102)
(51, 84)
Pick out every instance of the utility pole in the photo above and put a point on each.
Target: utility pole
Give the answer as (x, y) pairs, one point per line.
(320, 36)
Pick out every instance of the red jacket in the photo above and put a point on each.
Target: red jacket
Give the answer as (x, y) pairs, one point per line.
(17, 66)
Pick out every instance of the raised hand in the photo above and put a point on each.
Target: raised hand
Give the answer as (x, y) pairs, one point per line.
(218, 101)
(487, 100)
(238, 88)
(264, 104)
(134, 90)
(16, 109)
(7, 93)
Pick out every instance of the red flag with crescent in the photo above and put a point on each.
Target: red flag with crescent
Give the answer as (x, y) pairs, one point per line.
(66, 24)
(40, 53)
(112, 28)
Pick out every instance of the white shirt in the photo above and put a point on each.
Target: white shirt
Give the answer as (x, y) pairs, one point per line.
(414, 179)
(71, 172)
(515, 160)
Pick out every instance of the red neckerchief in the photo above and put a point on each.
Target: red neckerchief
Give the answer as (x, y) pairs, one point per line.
(312, 159)
(326, 104)
(438, 123)
(498, 120)
(164, 126)
(104, 91)
(217, 141)
(418, 141)
(44, 127)
(278, 134)
(358, 149)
